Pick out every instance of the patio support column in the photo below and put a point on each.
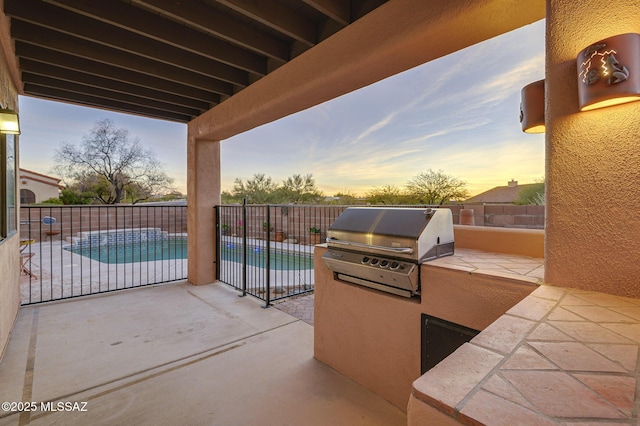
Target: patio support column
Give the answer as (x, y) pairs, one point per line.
(203, 193)
(592, 158)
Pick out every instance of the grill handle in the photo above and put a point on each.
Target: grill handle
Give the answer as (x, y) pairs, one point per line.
(392, 250)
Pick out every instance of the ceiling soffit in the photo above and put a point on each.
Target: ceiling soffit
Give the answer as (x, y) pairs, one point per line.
(162, 58)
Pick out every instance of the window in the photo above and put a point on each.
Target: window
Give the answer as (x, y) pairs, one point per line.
(27, 197)
(9, 208)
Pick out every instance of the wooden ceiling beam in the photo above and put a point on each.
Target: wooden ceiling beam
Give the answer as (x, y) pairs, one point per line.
(43, 55)
(223, 26)
(278, 17)
(336, 10)
(63, 21)
(31, 68)
(98, 92)
(92, 101)
(164, 30)
(32, 34)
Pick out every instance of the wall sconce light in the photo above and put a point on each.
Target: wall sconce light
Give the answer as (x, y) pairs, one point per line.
(9, 123)
(532, 107)
(609, 72)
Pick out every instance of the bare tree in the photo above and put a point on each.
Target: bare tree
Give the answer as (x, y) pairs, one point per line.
(436, 188)
(108, 161)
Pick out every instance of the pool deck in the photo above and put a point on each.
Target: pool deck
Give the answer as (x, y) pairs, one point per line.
(63, 274)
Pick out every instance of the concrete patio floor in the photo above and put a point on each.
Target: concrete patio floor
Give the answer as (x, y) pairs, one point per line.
(176, 354)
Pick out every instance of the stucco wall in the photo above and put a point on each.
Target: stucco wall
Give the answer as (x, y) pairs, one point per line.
(9, 248)
(524, 242)
(374, 338)
(203, 194)
(592, 159)
(9, 288)
(42, 191)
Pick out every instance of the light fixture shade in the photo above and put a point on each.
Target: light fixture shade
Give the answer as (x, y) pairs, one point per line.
(609, 72)
(9, 123)
(532, 107)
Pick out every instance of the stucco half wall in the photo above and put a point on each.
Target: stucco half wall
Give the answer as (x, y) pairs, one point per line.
(524, 242)
(374, 337)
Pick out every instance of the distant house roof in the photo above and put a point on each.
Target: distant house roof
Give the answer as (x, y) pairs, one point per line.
(500, 194)
(39, 177)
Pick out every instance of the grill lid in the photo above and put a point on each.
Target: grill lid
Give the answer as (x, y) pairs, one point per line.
(406, 233)
(381, 247)
(393, 222)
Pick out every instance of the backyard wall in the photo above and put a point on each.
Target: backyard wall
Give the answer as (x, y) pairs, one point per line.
(295, 221)
(502, 215)
(70, 220)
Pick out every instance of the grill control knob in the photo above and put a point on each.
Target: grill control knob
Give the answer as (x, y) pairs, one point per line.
(365, 259)
(384, 263)
(394, 265)
(374, 261)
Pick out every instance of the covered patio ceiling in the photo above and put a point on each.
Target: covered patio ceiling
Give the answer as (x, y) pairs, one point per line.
(164, 59)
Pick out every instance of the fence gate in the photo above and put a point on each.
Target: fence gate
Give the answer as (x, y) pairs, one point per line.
(267, 250)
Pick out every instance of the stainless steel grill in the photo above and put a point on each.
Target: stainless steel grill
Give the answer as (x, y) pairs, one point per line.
(383, 248)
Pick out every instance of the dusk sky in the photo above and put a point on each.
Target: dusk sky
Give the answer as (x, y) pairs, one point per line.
(458, 114)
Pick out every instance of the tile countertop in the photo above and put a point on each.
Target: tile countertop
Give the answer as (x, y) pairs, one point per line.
(521, 268)
(560, 356)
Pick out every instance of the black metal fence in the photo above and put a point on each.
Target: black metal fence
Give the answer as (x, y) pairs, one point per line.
(267, 250)
(69, 251)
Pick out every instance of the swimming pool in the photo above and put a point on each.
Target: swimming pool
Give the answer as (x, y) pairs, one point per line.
(176, 248)
(147, 251)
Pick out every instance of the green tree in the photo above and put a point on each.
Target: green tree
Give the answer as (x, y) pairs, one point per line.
(388, 194)
(344, 198)
(108, 160)
(436, 188)
(532, 194)
(299, 189)
(258, 190)
(228, 198)
(70, 196)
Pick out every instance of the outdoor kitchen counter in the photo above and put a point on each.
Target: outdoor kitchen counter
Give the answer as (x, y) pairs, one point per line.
(560, 356)
(374, 337)
(478, 262)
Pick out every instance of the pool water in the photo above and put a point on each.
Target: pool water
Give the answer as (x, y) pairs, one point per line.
(148, 251)
(176, 248)
(257, 256)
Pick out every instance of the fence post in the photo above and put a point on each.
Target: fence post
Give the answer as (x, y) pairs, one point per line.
(268, 289)
(218, 242)
(244, 247)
